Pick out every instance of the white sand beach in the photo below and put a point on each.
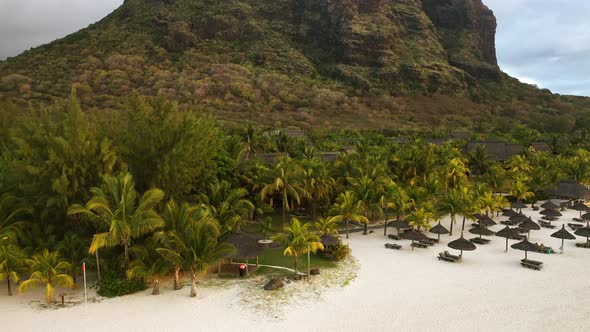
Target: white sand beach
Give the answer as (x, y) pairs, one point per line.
(394, 290)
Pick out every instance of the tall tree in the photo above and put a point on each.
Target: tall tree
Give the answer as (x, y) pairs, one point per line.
(12, 261)
(12, 218)
(196, 245)
(298, 240)
(72, 249)
(286, 180)
(49, 270)
(148, 264)
(117, 207)
(227, 204)
(348, 208)
(165, 147)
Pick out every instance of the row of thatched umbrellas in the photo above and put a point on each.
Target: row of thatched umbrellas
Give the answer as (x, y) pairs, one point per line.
(525, 222)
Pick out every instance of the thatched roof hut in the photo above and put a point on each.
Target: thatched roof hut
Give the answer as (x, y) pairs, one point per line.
(246, 245)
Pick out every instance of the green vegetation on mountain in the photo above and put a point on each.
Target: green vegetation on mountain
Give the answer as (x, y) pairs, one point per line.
(312, 63)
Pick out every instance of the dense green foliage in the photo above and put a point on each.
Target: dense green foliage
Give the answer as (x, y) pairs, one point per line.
(69, 192)
(113, 284)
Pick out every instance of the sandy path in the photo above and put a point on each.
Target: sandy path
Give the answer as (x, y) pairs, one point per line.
(394, 290)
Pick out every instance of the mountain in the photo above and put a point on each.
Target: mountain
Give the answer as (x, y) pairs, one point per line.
(330, 63)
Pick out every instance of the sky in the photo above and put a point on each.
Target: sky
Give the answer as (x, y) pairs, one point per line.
(542, 42)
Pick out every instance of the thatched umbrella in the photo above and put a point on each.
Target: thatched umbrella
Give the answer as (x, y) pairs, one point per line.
(518, 205)
(439, 229)
(584, 232)
(329, 240)
(518, 218)
(414, 235)
(400, 224)
(526, 246)
(563, 234)
(481, 231)
(549, 205)
(462, 244)
(551, 213)
(247, 246)
(509, 213)
(529, 225)
(485, 221)
(579, 206)
(508, 233)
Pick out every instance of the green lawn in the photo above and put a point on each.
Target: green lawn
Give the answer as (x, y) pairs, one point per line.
(275, 257)
(277, 221)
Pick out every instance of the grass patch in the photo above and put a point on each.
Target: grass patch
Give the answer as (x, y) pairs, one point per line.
(274, 256)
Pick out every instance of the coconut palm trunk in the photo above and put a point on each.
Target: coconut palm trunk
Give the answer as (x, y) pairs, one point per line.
(126, 247)
(156, 290)
(177, 285)
(347, 228)
(193, 284)
(8, 283)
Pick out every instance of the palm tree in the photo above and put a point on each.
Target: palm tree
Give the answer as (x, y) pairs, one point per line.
(456, 173)
(479, 160)
(227, 204)
(48, 270)
(12, 259)
(286, 174)
(148, 264)
(72, 249)
(400, 202)
(348, 208)
(451, 202)
(196, 245)
(520, 191)
(298, 240)
(117, 207)
(420, 218)
(317, 183)
(370, 192)
(176, 219)
(11, 218)
(326, 226)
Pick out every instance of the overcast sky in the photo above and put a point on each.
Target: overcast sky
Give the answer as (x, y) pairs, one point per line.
(543, 42)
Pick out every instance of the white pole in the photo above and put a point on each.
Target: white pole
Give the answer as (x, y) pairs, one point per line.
(85, 293)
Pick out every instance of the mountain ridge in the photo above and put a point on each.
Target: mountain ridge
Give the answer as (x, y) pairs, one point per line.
(334, 63)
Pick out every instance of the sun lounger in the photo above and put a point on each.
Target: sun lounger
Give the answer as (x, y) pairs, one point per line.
(531, 266)
(419, 245)
(428, 241)
(530, 261)
(478, 240)
(433, 240)
(449, 255)
(393, 246)
(446, 258)
(394, 237)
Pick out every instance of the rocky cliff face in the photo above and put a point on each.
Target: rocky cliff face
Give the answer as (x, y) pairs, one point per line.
(467, 30)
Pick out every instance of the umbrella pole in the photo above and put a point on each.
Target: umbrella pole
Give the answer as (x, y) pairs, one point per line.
(562, 246)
